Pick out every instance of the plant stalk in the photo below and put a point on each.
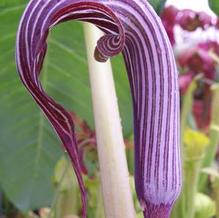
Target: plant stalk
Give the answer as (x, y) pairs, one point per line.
(214, 136)
(115, 184)
(192, 170)
(216, 195)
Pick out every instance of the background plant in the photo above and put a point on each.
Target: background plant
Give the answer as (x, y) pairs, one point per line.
(29, 150)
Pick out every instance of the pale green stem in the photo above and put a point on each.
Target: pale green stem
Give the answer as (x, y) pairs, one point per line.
(192, 171)
(100, 210)
(216, 196)
(117, 197)
(214, 136)
(186, 107)
(54, 210)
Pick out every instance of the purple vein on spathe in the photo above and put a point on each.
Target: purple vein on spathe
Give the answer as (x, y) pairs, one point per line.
(133, 28)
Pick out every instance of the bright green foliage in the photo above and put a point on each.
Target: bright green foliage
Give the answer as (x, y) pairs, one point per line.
(28, 147)
(204, 206)
(67, 191)
(66, 201)
(158, 5)
(214, 5)
(195, 143)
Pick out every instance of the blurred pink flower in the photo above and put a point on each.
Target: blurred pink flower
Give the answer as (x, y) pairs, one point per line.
(210, 45)
(204, 19)
(198, 60)
(217, 23)
(168, 17)
(190, 20)
(217, 154)
(201, 110)
(184, 81)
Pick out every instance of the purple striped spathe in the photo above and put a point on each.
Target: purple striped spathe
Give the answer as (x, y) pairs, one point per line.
(133, 28)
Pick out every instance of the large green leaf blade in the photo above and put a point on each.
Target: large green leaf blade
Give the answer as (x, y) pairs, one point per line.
(28, 147)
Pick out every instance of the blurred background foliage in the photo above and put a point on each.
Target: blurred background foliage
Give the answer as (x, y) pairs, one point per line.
(36, 179)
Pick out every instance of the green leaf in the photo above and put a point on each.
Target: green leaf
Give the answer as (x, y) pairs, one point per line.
(63, 175)
(66, 201)
(214, 5)
(204, 206)
(158, 5)
(195, 143)
(29, 148)
(186, 107)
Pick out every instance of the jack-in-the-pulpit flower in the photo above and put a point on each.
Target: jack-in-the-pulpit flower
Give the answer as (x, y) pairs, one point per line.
(133, 28)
